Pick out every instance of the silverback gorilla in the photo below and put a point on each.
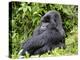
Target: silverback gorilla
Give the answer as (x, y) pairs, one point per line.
(49, 35)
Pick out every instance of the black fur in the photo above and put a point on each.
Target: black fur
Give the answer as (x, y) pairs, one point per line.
(47, 37)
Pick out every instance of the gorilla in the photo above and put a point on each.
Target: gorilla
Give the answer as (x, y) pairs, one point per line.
(49, 35)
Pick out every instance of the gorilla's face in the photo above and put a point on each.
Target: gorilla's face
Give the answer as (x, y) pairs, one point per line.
(48, 21)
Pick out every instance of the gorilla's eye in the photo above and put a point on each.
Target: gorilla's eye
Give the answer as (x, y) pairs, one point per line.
(55, 20)
(47, 19)
(55, 17)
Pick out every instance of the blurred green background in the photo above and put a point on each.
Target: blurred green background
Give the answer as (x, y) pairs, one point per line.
(25, 17)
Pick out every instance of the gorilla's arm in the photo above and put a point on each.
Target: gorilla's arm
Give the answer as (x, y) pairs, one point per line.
(32, 42)
(35, 33)
(40, 39)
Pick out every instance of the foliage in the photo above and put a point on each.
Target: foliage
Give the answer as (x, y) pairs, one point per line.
(24, 17)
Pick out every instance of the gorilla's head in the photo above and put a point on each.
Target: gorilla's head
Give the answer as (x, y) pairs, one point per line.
(51, 20)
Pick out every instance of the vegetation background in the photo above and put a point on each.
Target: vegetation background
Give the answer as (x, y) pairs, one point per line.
(24, 17)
